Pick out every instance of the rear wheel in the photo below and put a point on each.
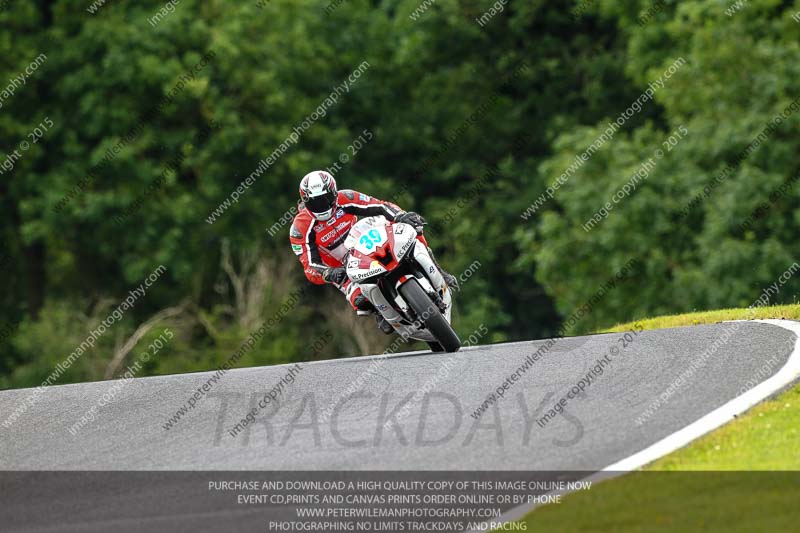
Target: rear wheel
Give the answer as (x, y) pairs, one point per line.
(430, 315)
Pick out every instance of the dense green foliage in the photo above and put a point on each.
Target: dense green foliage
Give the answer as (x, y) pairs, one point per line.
(188, 107)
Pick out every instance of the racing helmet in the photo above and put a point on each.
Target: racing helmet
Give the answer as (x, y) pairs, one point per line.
(318, 193)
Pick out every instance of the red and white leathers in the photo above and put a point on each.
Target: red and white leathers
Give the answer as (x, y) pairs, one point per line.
(320, 245)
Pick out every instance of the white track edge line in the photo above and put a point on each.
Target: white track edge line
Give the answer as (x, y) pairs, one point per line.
(707, 423)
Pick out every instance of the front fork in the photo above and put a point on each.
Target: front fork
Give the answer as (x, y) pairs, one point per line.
(424, 258)
(434, 281)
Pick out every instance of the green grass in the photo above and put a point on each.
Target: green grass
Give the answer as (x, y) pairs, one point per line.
(706, 485)
(788, 312)
(644, 502)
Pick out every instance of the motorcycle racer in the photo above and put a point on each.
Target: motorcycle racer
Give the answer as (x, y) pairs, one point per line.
(321, 226)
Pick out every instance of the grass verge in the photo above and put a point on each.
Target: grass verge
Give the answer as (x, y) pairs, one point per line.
(708, 485)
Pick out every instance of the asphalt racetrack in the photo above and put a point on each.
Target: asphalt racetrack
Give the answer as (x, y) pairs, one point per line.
(411, 411)
(439, 433)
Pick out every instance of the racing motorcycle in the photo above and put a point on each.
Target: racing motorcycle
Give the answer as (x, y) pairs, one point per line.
(397, 274)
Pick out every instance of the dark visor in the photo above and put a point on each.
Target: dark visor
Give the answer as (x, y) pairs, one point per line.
(322, 203)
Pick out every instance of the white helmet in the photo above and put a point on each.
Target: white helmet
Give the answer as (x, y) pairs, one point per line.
(318, 193)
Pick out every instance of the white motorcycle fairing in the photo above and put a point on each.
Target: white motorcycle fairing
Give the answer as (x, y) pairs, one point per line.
(405, 242)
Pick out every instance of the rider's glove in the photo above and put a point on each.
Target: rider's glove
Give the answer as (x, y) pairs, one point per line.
(412, 218)
(335, 275)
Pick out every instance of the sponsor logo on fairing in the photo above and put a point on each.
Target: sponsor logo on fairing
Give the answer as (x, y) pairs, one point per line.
(367, 274)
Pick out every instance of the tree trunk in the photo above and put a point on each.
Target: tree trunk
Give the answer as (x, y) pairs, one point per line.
(34, 277)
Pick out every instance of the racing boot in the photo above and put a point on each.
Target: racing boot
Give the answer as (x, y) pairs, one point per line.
(449, 279)
(364, 307)
(383, 324)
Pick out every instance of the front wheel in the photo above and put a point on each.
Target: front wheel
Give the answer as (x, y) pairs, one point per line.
(430, 315)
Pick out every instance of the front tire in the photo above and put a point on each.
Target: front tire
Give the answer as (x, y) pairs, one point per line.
(433, 319)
